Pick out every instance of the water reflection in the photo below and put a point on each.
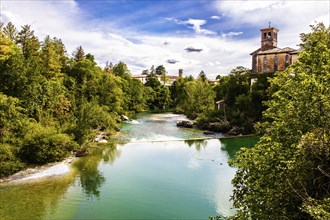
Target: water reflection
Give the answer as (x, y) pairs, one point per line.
(33, 200)
(199, 144)
(89, 175)
(232, 145)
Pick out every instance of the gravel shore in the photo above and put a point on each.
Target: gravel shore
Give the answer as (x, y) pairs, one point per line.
(33, 173)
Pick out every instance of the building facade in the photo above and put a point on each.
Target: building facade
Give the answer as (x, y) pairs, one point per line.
(269, 58)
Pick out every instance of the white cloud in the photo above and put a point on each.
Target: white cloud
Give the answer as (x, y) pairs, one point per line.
(215, 17)
(290, 17)
(64, 19)
(194, 24)
(230, 34)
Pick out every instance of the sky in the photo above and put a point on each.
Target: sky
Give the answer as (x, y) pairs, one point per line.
(193, 35)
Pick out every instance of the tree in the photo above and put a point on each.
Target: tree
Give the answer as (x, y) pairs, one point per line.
(7, 48)
(120, 69)
(158, 95)
(51, 58)
(152, 70)
(29, 42)
(160, 70)
(10, 32)
(11, 119)
(79, 54)
(145, 72)
(198, 98)
(202, 76)
(287, 175)
(1, 28)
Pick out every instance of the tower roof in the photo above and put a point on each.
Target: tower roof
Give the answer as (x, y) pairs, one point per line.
(269, 28)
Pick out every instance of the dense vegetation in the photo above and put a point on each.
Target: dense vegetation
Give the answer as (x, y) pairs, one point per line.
(51, 104)
(287, 174)
(241, 94)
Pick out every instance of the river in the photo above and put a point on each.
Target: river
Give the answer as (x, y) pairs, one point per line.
(152, 170)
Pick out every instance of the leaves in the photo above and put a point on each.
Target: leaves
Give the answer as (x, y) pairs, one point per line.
(286, 176)
(49, 102)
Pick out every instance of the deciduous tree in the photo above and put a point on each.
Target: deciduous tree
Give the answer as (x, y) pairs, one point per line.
(287, 175)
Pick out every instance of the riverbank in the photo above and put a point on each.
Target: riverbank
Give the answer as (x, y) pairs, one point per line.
(38, 172)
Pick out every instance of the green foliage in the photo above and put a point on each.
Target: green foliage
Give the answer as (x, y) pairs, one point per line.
(198, 97)
(202, 76)
(287, 175)
(158, 95)
(47, 100)
(52, 55)
(243, 101)
(11, 116)
(44, 144)
(10, 31)
(120, 69)
(91, 116)
(79, 54)
(9, 163)
(160, 70)
(29, 43)
(7, 48)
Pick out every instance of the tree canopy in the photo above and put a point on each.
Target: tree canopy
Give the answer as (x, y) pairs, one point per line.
(287, 174)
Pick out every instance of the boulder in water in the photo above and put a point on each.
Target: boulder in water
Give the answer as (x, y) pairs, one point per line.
(236, 131)
(82, 152)
(208, 132)
(124, 118)
(185, 124)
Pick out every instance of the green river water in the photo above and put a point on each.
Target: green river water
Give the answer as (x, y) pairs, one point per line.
(153, 170)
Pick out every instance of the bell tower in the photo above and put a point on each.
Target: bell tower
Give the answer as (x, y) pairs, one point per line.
(268, 38)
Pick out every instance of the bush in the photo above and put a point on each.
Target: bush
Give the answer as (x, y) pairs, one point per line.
(43, 144)
(9, 164)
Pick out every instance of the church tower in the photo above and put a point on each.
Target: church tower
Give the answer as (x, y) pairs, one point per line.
(268, 38)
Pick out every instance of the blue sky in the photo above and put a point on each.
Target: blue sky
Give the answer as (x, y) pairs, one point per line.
(214, 36)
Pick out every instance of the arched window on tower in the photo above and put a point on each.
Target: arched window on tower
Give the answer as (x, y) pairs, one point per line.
(287, 58)
(265, 35)
(269, 35)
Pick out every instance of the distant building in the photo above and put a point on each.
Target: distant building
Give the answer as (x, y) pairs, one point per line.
(269, 58)
(142, 78)
(213, 81)
(169, 80)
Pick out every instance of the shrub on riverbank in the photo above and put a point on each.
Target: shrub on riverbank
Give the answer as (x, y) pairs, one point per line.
(9, 163)
(44, 144)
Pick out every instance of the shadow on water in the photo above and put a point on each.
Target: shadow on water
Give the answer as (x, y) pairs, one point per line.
(33, 200)
(232, 145)
(89, 175)
(40, 198)
(199, 144)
